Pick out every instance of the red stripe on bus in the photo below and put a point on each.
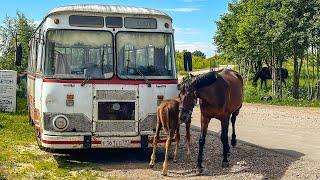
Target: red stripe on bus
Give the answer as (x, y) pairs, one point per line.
(68, 142)
(150, 141)
(111, 81)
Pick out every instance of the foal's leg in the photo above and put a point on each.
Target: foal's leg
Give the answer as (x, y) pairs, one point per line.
(154, 144)
(224, 140)
(177, 139)
(204, 128)
(188, 141)
(233, 121)
(165, 163)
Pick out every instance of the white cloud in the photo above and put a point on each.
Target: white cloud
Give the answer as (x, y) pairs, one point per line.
(188, 31)
(206, 47)
(183, 9)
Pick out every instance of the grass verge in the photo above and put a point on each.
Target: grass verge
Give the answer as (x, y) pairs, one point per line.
(20, 157)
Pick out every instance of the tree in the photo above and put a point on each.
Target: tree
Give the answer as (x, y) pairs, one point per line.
(199, 54)
(254, 32)
(15, 29)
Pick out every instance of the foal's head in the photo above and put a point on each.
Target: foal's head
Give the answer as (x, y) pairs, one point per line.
(187, 102)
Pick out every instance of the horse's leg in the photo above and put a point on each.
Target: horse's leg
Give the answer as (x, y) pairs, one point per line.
(261, 83)
(284, 82)
(165, 163)
(188, 141)
(233, 121)
(224, 140)
(204, 128)
(177, 139)
(154, 144)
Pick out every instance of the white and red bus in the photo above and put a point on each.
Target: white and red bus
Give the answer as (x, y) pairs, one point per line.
(96, 74)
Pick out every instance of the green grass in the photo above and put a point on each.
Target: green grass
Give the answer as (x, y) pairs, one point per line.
(254, 94)
(20, 157)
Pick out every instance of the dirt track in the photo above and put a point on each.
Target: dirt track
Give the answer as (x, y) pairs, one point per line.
(273, 142)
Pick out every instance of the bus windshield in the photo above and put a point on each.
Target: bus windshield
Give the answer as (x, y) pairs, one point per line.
(145, 55)
(79, 54)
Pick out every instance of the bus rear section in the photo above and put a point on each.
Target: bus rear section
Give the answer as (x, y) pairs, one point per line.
(96, 75)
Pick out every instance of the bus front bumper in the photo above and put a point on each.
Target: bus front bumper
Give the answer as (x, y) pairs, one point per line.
(88, 141)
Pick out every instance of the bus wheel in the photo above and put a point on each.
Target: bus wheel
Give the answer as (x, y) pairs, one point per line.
(38, 138)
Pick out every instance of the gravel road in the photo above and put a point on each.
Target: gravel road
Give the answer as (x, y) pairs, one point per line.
(273, 143)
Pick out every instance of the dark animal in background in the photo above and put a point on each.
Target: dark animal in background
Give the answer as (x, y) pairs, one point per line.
(220, 96)
(167, 117)
(265, 73)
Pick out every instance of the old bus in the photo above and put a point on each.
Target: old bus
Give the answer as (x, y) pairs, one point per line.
(96, 74)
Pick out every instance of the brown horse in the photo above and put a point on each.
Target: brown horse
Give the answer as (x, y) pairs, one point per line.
(220, 96)
(167, 117)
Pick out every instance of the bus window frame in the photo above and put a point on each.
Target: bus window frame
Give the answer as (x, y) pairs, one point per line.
(73, 29)
(174, 77)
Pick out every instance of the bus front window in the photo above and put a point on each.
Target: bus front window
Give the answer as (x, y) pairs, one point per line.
(149, 54)
(76, 54)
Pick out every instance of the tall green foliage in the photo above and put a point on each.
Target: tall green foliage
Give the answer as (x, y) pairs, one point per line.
(15, 29)
(257, 32)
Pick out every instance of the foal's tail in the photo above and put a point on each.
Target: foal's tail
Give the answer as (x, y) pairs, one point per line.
(165, 119)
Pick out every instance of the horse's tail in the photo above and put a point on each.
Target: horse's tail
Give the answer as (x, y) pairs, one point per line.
(285, 73)
(239, 77)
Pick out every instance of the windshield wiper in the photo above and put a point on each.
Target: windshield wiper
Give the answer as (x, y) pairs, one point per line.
(86, 78)
(144, 77)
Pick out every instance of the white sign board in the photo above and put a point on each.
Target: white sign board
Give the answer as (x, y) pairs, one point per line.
(8, 86)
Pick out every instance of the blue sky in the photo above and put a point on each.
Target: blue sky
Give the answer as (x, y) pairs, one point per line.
(194, 20)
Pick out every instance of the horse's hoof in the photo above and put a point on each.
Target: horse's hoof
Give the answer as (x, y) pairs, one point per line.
(164, 173)
(199, 170)
(233, 143)
(225, 164)
(151, 165)
(175, 161)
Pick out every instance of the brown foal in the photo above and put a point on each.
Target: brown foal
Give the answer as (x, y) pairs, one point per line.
(167, 117)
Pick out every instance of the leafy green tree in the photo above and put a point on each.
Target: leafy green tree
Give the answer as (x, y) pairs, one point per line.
(199, 54)
(15, 29)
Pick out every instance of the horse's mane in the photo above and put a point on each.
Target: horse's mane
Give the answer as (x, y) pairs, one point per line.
(204, 80)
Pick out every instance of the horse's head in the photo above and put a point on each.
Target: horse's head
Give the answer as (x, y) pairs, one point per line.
(187, 101)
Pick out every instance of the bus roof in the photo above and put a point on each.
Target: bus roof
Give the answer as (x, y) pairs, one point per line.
(108, 9)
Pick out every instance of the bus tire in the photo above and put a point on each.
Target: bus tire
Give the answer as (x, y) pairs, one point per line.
(37, 134)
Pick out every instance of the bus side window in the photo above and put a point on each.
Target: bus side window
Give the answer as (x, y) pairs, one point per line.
(39, 55)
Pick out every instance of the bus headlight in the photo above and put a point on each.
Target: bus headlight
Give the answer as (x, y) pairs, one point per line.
(60, 122)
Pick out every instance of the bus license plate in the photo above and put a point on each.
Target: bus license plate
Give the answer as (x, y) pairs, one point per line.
(116, 143)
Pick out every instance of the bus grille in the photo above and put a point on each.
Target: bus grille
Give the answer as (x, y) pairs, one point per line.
(115, 95)
(117, 127)
(149, 123)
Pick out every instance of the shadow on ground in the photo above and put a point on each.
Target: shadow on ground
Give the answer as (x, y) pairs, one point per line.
(246, 158)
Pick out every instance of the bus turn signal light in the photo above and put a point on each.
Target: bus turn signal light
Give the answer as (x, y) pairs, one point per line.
(70, 100)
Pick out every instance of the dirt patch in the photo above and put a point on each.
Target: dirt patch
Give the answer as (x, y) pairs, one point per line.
(246, 162)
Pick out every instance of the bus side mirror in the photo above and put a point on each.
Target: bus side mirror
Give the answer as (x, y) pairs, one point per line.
(18, 55)
(187, 59)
